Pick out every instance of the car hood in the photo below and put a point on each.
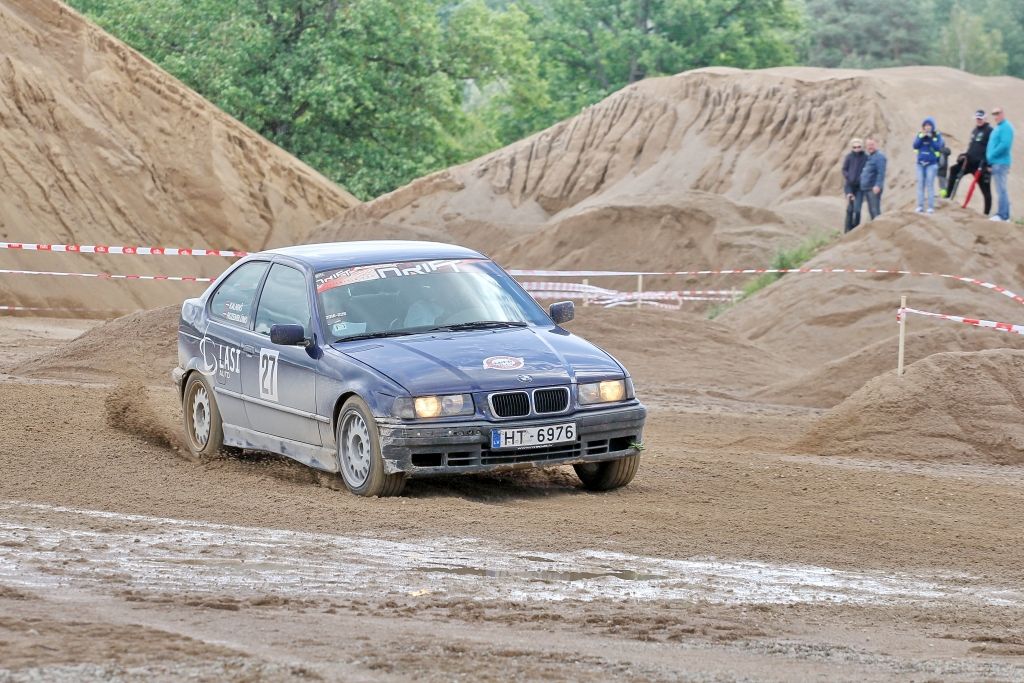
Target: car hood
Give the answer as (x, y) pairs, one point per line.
(483, 360)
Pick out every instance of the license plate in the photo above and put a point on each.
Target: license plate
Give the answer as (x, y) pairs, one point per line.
(519, 437)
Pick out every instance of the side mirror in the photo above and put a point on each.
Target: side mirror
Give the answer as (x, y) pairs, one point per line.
(288, 335)
(562, 312)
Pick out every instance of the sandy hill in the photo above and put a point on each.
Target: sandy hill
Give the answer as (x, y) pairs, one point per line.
(99, 145)
(825, 386)
(815, 319)
(701, 150)
(963, 407)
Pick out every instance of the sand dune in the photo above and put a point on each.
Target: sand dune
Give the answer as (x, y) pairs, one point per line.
(964, 407)
(821, 318)
(100, 146)
(771, 139)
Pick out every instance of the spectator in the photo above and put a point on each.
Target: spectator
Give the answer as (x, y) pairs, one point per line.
(997, 154)
(872, 178)
(928, 144)
(853, 164)
(973, 160)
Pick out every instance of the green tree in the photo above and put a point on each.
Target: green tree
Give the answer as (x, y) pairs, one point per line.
(967, 45)
(591, 48)
(370, 92)
(871, 33)
(1007, 16)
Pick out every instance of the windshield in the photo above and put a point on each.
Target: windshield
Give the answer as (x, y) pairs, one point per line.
(405, 298)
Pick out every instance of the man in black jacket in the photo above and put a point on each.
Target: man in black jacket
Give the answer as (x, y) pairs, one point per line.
(972, 160)
(853, 164)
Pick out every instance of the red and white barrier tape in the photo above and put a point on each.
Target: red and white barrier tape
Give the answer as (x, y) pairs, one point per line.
(760, 271)
(623, 300)
(55, 309)
(109, 276)
(591, 289)
(976, 322)
(132, 251)
(232, 253)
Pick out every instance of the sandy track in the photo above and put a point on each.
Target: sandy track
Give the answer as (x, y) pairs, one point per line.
(717, 486)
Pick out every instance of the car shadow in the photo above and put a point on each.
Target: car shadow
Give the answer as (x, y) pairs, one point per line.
(488, 487)
(498, 487)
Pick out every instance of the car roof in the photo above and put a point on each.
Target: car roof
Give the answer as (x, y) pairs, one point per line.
(344, 254)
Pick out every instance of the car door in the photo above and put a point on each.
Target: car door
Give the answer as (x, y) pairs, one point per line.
(279, 382)
(230, 314)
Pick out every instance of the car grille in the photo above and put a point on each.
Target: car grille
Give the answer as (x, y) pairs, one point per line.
(510, 404)
(551, 400)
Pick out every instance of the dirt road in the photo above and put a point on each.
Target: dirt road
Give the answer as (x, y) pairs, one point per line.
(729, 558)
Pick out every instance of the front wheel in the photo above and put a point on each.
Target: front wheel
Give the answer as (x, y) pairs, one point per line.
(359, 456)
(605, 476)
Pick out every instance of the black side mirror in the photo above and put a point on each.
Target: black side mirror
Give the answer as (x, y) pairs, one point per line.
(562, 312)
(288, 335)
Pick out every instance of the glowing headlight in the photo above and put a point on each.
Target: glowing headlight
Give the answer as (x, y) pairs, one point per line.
(434, 406)
(603, 392)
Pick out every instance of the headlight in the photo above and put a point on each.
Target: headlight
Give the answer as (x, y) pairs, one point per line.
(603, 392)
(434, 406)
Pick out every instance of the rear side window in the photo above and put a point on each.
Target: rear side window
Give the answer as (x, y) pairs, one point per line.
(233, 301)
(284, 301)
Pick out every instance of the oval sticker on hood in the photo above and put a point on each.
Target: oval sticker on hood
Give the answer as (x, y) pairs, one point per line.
(503, 363)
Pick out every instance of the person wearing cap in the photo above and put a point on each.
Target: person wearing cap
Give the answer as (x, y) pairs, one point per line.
(997, 154)
(973, 160)
(872, 178)
(929, 144)
(853, 164)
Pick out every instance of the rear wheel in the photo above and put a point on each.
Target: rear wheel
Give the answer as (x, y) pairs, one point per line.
(605, 476)
(359, 455)
(204, 430)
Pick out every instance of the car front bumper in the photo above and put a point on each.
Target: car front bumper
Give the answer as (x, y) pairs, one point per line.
(179, 377)
(465, 447)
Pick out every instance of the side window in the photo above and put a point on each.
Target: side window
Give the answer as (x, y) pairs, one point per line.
(233, 300)
(284, 301)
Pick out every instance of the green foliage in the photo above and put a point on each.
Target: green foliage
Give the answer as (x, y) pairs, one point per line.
(375, 93)
(1007, 16)
(967, 45)
(980, 36)
(591, 48)
(871, 33)
(368, 91)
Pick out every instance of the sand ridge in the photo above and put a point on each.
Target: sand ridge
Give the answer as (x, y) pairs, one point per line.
(98, 145)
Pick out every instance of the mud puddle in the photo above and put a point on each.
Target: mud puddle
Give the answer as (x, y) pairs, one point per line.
(47, 547)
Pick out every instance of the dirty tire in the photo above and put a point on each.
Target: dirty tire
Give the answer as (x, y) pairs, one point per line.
(204, 431)
(359, 456)
(605, 476)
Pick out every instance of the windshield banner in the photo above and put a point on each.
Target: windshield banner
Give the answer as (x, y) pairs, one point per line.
(383, 271)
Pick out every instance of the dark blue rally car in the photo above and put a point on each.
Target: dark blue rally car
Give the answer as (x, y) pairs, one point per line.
(387, 360)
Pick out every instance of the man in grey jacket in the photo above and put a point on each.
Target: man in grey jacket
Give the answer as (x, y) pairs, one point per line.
(872, 178)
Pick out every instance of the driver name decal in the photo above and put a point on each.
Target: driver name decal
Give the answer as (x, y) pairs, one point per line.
(503, 363)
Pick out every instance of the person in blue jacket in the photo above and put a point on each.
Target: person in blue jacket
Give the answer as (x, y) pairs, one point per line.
(872, 178)
(929, 144)
(997, 154)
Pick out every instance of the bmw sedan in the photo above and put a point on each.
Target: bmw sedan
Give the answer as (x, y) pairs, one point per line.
(386, 360)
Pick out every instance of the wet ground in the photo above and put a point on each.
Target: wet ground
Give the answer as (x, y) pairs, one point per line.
(727, 559)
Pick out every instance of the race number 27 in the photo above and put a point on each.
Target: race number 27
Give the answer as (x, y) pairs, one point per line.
(268, 374)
